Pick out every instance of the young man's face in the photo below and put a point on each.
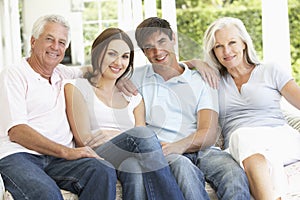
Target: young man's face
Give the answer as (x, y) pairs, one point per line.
(159, 49)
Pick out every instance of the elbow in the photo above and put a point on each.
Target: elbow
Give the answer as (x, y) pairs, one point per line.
(14, 131)
(210, 138)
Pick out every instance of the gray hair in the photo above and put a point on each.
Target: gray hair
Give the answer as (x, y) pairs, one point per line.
(39, 25)
(209, 41)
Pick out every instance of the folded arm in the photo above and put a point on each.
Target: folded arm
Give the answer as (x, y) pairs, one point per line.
(31, 139)
(205, 136)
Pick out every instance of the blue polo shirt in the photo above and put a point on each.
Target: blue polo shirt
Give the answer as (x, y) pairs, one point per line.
(172, 105)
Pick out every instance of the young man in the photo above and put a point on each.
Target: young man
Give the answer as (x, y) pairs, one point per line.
(37, 154)
(183, 110)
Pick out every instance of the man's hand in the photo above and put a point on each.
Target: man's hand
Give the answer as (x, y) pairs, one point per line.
(209, 74)
(81, 152)
(127, 87)
(171, 148)
(100, 137)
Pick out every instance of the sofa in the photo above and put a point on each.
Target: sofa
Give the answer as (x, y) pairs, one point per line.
(292, 172)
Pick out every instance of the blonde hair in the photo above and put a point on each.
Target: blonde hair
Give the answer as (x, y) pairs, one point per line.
(209, 41)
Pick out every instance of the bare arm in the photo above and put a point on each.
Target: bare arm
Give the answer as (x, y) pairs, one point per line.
(78, 117)
(77, 113)
(205, 136)
(31, 139)
(291, 91)
(139, 114)
(127, 87)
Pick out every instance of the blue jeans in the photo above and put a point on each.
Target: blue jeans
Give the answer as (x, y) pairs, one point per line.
(28, 176)
(142, 168)
(217, 167)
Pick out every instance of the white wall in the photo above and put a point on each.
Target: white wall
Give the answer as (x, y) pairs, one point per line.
(32, 9)
(10, 39)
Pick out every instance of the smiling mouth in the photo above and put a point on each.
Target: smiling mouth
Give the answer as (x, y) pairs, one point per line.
(161, 58)
(53, 55)
(115, 70)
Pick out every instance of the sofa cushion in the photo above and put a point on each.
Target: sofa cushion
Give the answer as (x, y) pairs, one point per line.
(292, 119)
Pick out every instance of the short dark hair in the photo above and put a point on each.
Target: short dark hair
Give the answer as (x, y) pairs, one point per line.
(150, 26)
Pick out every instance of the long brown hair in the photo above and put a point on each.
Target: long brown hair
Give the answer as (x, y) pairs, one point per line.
(99, 49)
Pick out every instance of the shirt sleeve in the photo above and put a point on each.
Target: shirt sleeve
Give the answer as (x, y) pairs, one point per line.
(70, 72)
(12, 100)
(208, 99)
(279, 75)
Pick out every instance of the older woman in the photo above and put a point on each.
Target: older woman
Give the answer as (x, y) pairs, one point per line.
(255, 131)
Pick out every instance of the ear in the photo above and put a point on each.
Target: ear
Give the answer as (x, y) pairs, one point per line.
(174, 38)
(32, 42)
(244, 45)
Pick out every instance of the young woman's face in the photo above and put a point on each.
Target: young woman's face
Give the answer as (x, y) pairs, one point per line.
(116, 59)
(229, 48)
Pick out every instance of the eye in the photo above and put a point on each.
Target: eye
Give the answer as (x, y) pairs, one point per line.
(49, 39)
(162, 41)
(217, 46)
(232, 42)
(112, 54)
(125, 56)
(62, 43)
(147, 48)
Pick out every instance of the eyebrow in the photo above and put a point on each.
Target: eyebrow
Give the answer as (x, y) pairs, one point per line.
(128, 52)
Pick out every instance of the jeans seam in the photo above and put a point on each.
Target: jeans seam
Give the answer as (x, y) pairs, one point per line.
(15, 185)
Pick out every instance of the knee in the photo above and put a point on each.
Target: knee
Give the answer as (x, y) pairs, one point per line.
(103, 170)
(130, 165)
(254, 161)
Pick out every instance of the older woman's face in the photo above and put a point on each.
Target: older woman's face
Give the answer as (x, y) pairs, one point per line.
(229, 48)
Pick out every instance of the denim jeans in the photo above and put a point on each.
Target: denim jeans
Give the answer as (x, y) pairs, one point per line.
(28, 176)
(217, 167)
(142, 168)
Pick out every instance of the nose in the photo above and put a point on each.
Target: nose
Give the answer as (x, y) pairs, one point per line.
(118, 60)
(55, 44)
(227, 50)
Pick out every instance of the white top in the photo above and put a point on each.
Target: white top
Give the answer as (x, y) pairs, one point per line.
(258, 103)
(172, 106)
(27, 98)
(104, 117)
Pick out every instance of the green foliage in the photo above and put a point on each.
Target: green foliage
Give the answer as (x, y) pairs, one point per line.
(294, 17)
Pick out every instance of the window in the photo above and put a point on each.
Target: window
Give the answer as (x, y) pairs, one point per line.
(97, 16)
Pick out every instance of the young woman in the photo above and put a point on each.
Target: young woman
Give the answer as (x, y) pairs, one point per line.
(113, 124)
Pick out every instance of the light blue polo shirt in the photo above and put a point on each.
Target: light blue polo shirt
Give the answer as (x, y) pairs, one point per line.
(172, 106)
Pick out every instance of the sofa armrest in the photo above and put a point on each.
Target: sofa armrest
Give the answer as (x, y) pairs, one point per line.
(293, 120)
